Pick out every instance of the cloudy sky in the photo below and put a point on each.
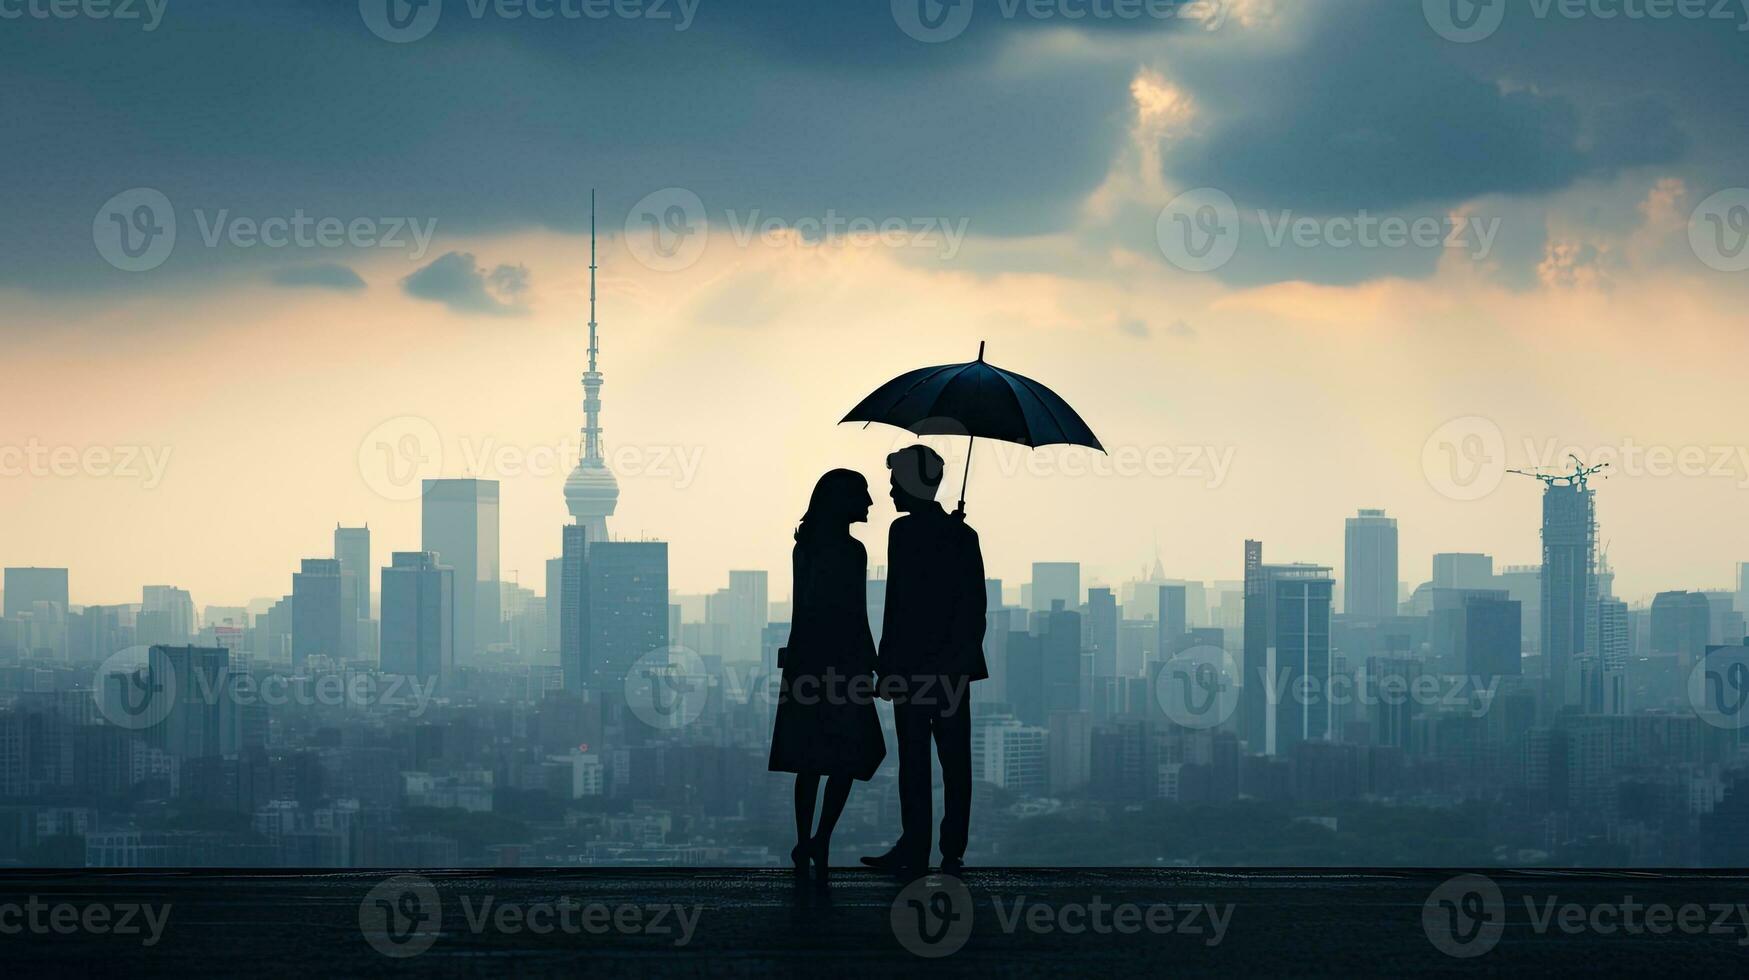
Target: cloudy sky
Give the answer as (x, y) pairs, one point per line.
(265, 264)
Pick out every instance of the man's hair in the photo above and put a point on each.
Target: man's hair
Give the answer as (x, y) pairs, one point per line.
(919, 470)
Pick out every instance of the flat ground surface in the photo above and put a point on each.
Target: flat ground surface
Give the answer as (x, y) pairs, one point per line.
(1046, 923)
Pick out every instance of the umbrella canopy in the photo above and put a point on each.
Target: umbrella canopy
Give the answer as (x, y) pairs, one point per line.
(979, 400)
(976, 399)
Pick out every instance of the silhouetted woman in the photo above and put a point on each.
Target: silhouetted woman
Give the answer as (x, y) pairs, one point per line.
(826, 722)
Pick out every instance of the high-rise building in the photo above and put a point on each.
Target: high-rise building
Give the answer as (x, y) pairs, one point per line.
(1060, 630)
(1102, 623)
(1453, 570)
(166, 616)
(625, 602)
(1009, 754)
(1681, 623)
(742, 610)
(1172, 621)
(1390, 699)
(1743, 588)
(1287, 664)
(1054, 581)
(1569, 533)
(459, 523)
(418, 617)
(591, 492)
(25, 587)
(202, 718)
(321, 611)
(352, 550)
(573, 594)
(1369, 572)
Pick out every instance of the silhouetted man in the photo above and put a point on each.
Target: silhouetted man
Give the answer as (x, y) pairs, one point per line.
(931, 650)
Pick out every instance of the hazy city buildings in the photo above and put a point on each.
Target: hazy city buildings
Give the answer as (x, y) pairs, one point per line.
(1569, 536)
(322, 613)
(459, 523)
(418, 617)
(1369, 571)
(1056, 581)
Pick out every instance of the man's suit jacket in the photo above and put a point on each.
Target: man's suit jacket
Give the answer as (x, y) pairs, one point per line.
(934, 621)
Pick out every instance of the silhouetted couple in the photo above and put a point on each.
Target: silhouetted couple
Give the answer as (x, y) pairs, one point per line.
(931, 650)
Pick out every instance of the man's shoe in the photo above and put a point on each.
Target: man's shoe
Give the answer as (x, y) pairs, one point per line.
(952, 866)
(891, 861)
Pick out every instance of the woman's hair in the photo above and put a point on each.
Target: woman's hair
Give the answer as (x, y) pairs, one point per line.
(839, 495)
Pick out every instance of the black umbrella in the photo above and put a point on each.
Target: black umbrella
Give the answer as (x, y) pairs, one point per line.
(979, 400)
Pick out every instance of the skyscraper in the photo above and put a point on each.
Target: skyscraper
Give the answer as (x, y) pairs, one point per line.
(1569, 534)
(418, 617)
(166, 616)
(352, 550)
(1285, 692)
(591, 492)
(626, 586)
(321, 611)
(25, 587)
(1743, 588)
(574, 609)
(1172, 622)
(1102, 615)
(1681, 623)
(1053, 581)
(1463, 571)
(742, 609)
(1369, 570)
(460, 524)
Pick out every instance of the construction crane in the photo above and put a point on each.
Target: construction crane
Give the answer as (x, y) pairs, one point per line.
(1580, 477)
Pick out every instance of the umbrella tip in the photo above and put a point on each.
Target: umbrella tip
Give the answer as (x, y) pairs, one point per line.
(980, 352)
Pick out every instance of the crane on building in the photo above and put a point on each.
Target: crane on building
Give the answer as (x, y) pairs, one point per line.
(1580, 477)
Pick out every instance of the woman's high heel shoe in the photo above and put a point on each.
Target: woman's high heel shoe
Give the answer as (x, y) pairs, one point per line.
(798, 856)
(820, 852)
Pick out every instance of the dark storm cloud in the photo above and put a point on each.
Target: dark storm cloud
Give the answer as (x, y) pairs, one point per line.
(792, 108)
(327, 275)
(456, 280)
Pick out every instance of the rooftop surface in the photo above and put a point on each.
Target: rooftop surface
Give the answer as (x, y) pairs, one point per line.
(1044, 923)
